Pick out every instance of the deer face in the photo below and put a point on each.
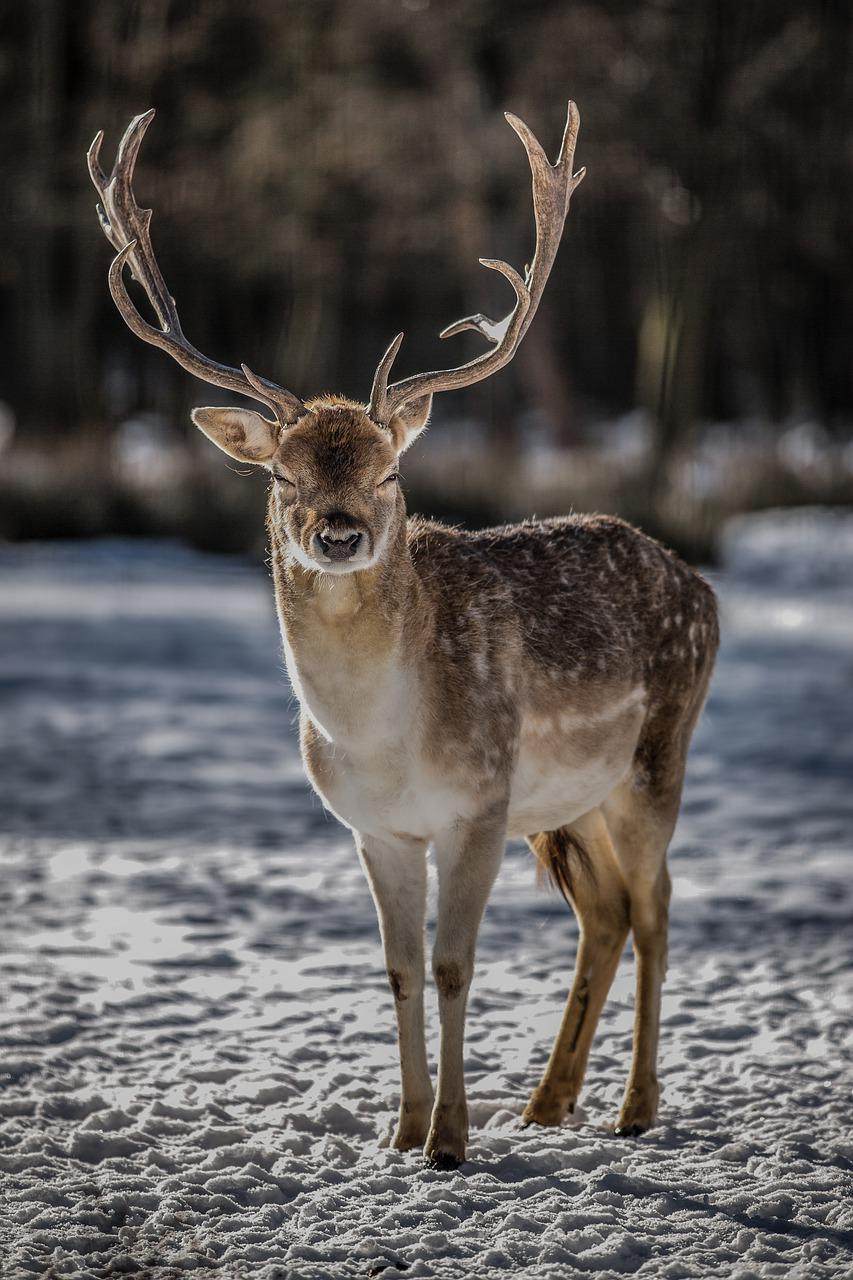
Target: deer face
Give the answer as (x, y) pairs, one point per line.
(336, 494)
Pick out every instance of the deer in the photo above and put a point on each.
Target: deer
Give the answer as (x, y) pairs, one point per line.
(539, 680)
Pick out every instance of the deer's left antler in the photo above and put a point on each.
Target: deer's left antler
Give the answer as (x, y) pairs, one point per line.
(553, 186)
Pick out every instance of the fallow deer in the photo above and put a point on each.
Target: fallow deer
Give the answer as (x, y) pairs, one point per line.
(540, 680)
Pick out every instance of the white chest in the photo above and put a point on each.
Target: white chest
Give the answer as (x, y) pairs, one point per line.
(366, 756)
(390, 793)
(353, 705)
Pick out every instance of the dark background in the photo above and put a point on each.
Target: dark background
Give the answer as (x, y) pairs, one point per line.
(327, 172)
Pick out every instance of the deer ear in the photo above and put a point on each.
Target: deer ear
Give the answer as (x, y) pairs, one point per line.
(241, 433)
(409, 421)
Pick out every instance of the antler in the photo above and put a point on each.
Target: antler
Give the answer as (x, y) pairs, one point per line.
(127, 227)
(552, 190)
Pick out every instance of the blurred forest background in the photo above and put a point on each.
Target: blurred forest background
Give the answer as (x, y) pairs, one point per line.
(327, 172)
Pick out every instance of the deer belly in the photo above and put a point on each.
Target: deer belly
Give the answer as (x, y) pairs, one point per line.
(563, 772)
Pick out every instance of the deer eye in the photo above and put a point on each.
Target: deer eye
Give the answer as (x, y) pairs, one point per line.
(395, 475)
(281, 478)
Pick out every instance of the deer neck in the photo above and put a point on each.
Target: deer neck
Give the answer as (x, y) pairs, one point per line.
(345, 644)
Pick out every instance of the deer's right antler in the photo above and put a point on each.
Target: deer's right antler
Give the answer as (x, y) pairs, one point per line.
(552, 190)
(127, 227)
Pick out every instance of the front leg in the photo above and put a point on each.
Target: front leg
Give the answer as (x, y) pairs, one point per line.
(467, 858)
(396, 871)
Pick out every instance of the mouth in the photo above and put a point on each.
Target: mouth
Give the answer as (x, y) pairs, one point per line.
(352, 564)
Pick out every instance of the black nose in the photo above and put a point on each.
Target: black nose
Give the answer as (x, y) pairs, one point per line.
(338, 546)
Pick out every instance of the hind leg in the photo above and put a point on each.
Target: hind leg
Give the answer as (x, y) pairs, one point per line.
(641, 825)
(641, 814)
(601, 906)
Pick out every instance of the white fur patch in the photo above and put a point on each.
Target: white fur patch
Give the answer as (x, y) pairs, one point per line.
(554, 782)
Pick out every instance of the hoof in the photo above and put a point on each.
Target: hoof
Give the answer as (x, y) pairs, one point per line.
(403, 1141)
(448, 1137)
(638, 1111)
(545, 1110)
(444, 1161)
(630, 1130)
(412, 1126)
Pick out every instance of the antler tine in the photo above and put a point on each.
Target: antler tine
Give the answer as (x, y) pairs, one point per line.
(127, 227)
(553, 186)
(379, 391)
(268, 391)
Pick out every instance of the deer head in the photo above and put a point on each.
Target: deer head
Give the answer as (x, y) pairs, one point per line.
(334, 462)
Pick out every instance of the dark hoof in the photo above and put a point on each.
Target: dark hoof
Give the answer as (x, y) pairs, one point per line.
(629, 1130)
(444, 1161)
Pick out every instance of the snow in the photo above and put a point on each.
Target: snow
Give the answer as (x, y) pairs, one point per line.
(196, 1048)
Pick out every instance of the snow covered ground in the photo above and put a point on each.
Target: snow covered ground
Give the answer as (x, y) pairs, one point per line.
(196, 1048)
